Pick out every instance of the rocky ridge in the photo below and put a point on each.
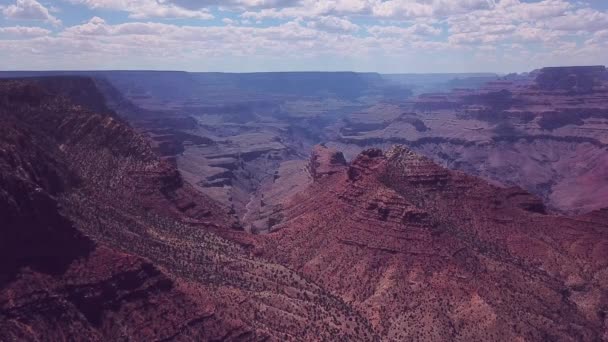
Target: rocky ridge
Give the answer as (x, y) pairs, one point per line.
(546, 132)
(445, 256)
(109, 239)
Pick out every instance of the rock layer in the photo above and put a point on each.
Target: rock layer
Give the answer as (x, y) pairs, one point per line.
(106, 242)
(425, 253)
(546, 132)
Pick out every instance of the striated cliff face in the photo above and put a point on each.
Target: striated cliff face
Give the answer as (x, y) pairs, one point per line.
(573, 79)
(325, 162)
(546, 132)
(57, 282)
(106, 242)
(244, 141)
(425, 253)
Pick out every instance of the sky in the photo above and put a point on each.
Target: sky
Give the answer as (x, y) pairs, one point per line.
(387, 36)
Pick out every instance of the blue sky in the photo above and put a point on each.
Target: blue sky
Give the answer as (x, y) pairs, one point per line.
(277, 35)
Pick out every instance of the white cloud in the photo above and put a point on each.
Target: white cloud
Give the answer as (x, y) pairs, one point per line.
(29, 10)
(512, 21)
(530, 33)
(228, 21)
(200, 4)
(395, 9)
(419, 30)
(333, 24)
(507, 32)
(314, 8)
(474, 38)
(518, 10)
(174, 34)
(16, 32)
(141, 9)
(585, 19)
(148, 40)
(598, 38)
(427, 8)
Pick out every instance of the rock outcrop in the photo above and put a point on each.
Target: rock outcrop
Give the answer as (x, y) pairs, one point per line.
(521, 130)
(57, 283)
(105, 241)
(325, 161)
(425, 253)
(579, 79)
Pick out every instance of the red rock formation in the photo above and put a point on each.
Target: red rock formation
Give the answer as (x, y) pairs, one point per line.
(324, 162)
(105, 241)
(546, 132)
(573, 79)
(426, 253)
(55, 282)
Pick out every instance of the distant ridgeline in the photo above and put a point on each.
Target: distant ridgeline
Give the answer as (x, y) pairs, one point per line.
(173, 85)
(577, 79)
(179, 85)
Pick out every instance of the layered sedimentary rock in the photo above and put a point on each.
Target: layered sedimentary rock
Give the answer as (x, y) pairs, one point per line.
(425, 253)
(56, 282)
(546, 131)
(232, 136)
(104, 241)
(325, 162)
(107, 240)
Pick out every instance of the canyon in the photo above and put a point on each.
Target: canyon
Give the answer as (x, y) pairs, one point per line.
(141, 205)
(544, 131)
(105, 241)
(244, 139)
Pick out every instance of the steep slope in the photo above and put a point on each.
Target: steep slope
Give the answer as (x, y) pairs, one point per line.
(108, 243)
(56, 283)
(230, 134)
(425, 253)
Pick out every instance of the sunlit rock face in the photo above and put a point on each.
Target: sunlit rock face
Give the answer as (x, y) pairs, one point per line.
(429, 253)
